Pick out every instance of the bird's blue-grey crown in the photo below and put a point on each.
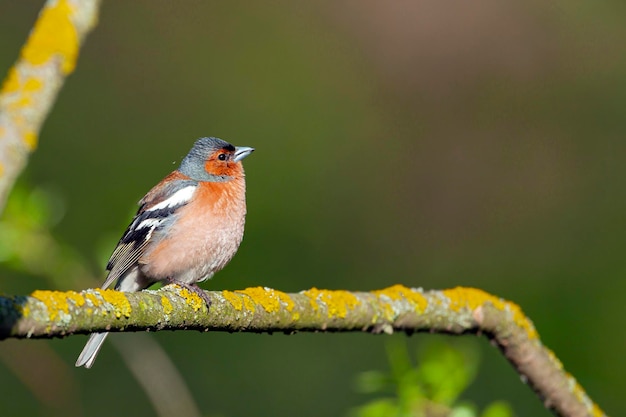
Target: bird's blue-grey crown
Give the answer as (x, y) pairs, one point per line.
(193, 164)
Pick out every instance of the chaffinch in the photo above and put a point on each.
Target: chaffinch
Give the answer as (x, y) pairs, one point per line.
(187, 228)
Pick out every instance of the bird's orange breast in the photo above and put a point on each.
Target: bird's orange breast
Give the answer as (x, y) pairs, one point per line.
(204, 237)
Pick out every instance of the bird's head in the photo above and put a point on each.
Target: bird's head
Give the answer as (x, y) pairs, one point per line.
(213, 159)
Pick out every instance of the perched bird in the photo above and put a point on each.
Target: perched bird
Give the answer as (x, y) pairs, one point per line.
(187, 228)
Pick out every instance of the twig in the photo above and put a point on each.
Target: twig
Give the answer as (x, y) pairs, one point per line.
(46, 314)
(32, 84)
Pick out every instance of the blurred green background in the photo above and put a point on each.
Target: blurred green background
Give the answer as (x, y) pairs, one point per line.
(432, 144)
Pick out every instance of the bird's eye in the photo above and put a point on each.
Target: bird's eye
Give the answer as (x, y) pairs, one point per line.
(221, 157)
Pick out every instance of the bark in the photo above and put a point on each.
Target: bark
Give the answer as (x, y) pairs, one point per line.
(47, 314)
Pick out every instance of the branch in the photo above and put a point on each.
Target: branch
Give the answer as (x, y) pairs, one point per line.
(31, 87)
(46, 314)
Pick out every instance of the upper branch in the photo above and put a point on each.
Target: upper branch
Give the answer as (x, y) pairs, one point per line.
(31, 87)
(45, 314)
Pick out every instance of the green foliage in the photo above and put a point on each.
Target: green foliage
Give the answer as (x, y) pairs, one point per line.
(27, 243)
(432, 388)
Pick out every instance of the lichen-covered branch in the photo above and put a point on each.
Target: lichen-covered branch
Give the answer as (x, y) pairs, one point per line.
(32, 84)
(46, 314)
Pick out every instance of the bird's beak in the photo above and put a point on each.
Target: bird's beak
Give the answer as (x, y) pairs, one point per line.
(241, 152)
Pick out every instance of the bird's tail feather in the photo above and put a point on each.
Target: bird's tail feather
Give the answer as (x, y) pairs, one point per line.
(91, 349)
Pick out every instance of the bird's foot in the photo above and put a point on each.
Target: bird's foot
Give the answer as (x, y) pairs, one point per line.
(195, 289)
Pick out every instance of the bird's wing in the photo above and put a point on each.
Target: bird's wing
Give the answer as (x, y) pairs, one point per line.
(156, 211)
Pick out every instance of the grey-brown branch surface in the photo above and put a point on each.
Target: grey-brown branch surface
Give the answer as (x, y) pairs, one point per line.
(47, 314)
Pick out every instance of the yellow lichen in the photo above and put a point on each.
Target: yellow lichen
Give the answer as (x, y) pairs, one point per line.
(77, 298)
(30, 139)
(596, 411)
(167, 305)
(248, 304)
(12, 82)
(56, 301)
(473, 298)
(583, 398)
(54, 34)
(266, 297)
(23, 101)
(240, 300)
(94, 300)
(400, 292)
(461, 297)
(32, 84)
(388, 313)
(338, 303)
(556, 361)
(522, 321)
(234, 299)
(312, 295)
(286, 300)
(119, 302)
(192, 299)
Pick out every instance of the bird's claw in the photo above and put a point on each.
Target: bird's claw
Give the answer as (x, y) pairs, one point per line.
(195, 289)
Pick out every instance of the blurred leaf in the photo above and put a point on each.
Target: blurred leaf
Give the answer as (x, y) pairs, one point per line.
(410, 395)
(399, 359)
(9, 236)
(446, 371)
(33, 208)
(27, 243)
(378, 408)
(432, 388)
(372, 381)
(498, 409)
(465, 410)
